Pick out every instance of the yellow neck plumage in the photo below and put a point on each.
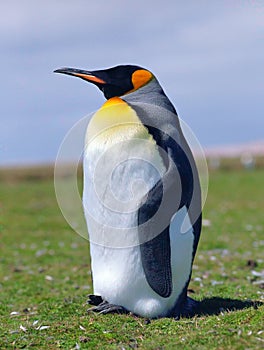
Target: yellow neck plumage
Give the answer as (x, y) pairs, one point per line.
(115, 120)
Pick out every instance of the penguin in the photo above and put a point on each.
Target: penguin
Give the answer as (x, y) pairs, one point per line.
(141, 197)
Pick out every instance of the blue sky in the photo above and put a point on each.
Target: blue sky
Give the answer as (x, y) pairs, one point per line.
(207, 55)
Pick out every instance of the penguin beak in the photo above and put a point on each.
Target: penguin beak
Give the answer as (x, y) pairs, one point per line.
(83, 74)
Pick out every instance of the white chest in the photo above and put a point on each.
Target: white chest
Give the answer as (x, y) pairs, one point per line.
(120, 166)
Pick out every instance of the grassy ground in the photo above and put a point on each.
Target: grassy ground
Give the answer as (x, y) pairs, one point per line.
(45, 275)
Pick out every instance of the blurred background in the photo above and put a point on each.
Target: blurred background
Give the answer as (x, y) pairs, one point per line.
(208, 56)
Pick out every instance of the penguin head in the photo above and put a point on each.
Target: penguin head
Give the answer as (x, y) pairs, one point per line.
(116, 81)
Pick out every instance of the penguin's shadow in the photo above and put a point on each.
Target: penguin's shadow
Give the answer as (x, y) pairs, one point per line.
(216, 305)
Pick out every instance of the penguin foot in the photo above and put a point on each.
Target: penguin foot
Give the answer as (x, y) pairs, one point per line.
(189, 309)
(106, 308)
(94, 299)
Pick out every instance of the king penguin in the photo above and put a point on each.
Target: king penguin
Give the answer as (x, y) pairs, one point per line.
(141, 197)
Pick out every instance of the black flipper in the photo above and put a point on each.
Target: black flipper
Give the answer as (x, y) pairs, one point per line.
(155, 256)
(154, 218)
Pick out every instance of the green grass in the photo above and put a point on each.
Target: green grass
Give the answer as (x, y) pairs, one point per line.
(45, 275)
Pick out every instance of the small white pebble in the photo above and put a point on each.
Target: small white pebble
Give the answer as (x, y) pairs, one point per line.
(77, 346)
(23, 328)
(82, 328)
(249, 333)
(14, 313)
(206, 223)
(85, 287)
(35, 322)
(260, 339)
(41, 328)
(214, 283)
(258, 282)
(225, 252)
(40, 252)
(49, 278)
(197, 279)
(257, 274)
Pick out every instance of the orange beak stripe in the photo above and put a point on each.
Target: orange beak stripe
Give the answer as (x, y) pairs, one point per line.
(91, 78)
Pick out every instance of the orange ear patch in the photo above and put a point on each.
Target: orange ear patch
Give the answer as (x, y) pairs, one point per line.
(140, 77)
